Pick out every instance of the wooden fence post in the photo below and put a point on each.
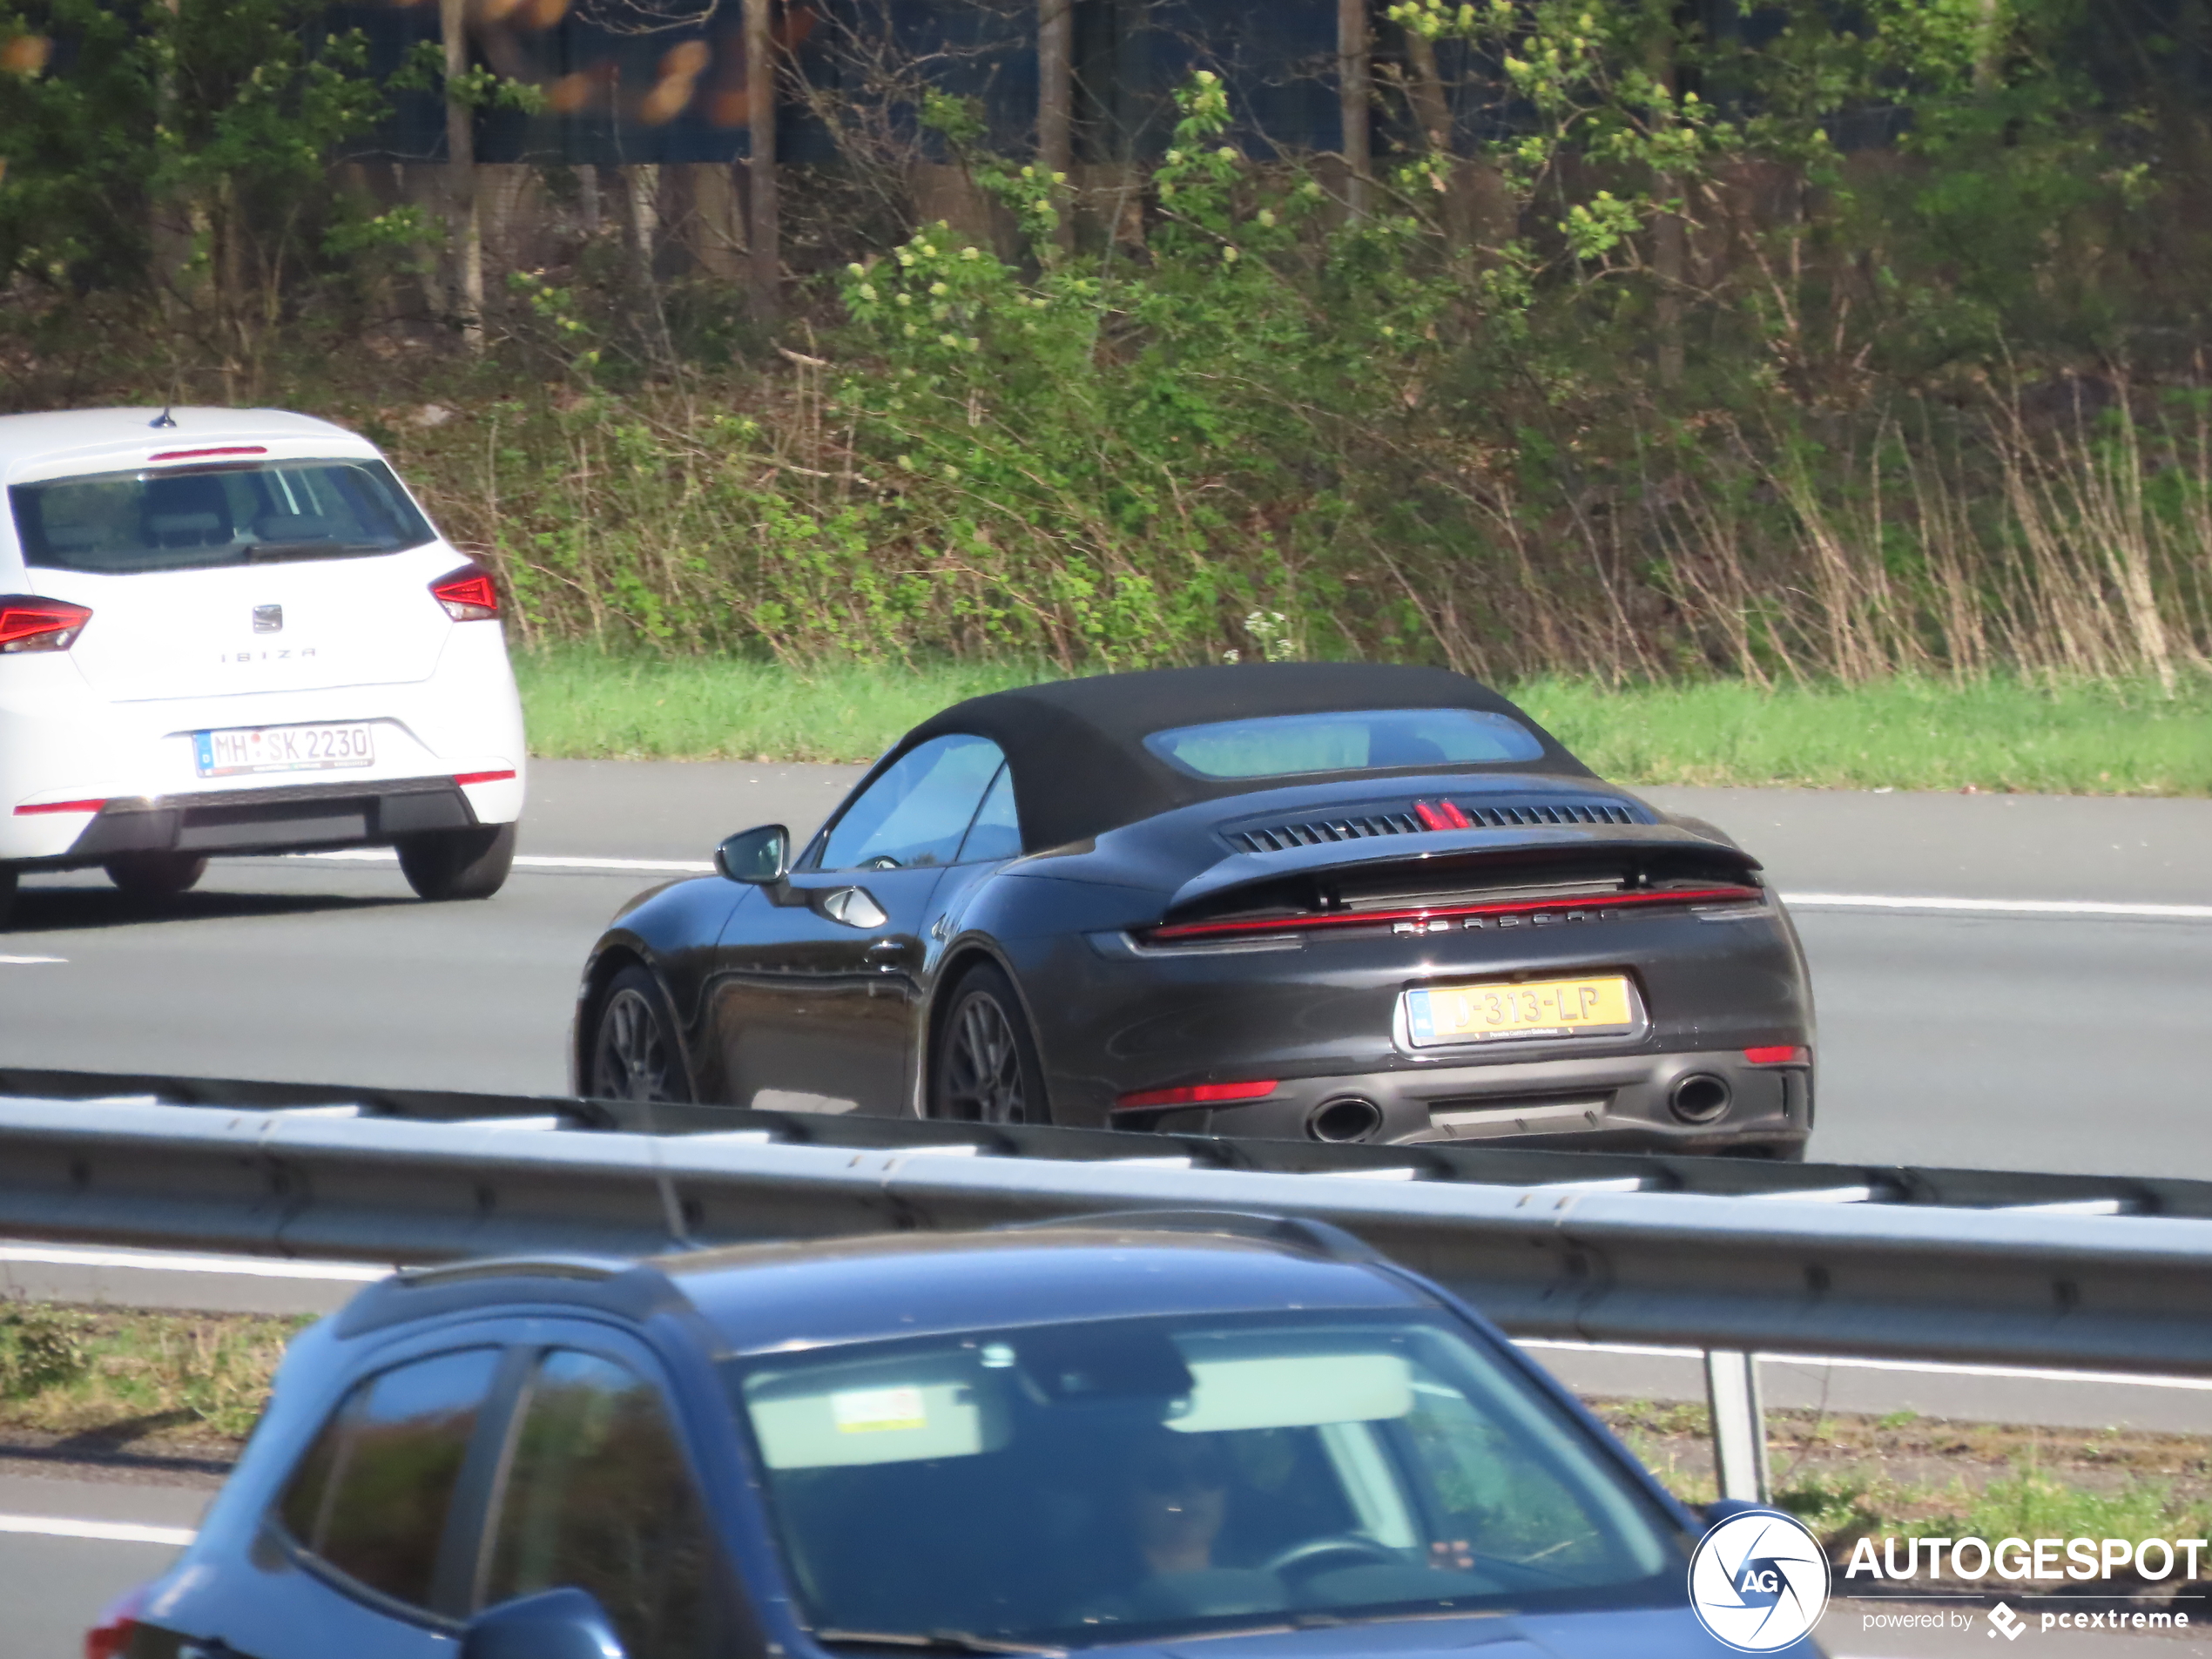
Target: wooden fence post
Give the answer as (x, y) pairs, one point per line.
(460, 177)
(760, 113)
(1356, 102)
(1055, 105)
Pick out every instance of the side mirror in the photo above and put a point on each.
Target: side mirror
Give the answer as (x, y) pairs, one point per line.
(1728, 1508)
(553, 1624)
(756, 857)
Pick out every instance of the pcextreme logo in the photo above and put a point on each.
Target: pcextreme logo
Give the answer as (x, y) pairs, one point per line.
(1759, 1581)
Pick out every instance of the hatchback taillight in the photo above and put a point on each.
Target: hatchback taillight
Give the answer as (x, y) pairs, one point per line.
(28, 623)
(110, 1637)
(467, 594)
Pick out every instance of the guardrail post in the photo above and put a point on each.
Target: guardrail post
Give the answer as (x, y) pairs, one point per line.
(1739, 1424)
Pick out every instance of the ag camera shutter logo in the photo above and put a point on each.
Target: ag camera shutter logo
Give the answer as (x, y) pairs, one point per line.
(1759, 1581)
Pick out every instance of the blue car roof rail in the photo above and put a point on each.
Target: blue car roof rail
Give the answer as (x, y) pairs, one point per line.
(1291, 1232)
(612, 1285)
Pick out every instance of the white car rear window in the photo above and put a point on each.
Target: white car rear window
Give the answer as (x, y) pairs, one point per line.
(168, 518)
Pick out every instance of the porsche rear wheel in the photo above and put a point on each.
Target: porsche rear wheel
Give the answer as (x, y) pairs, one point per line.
(634, 1052)
(156, 875)
(985, 1068)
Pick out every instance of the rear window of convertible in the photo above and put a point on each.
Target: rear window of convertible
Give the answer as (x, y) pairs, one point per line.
(167, 518)
(1359, 740)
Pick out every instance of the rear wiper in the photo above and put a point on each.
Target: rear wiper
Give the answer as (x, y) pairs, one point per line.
(935, 1641)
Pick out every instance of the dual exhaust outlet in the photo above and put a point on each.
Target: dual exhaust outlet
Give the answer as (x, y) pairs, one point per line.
(1700, 1097)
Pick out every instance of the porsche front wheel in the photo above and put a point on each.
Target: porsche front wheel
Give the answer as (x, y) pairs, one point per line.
(634, 1051)
(984, 1068)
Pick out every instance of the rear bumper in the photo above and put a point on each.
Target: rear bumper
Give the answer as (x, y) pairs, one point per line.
(1621, 1102)
(279, 820)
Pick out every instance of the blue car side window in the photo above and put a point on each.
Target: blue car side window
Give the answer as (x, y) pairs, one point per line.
(370, 1496)
(599, 1494)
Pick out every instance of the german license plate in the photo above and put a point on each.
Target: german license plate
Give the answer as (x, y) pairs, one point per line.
(282, 748)
(1600, 1005)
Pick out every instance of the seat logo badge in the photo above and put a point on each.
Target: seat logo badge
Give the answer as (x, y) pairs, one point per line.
(268, 619)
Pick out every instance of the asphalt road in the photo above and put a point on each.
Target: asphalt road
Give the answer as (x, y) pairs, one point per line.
(2071, 1042)
(1977, 1035)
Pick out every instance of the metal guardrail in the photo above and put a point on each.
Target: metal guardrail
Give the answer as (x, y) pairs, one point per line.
(1731, 1256)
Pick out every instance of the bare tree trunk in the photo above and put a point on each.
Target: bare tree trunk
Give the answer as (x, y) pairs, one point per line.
(176, 224)
(760, 107)
(719, 214)
(1986, 52)
(1425, 91)
(1355, 101)
(587, 184)
(1055, 105)
(461, 178)
(641, 207)
(1669, 235)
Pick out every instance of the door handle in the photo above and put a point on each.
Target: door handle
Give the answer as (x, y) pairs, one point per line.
(886, 953)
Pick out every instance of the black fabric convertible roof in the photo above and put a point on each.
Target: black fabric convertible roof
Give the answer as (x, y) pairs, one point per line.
(1081, 767)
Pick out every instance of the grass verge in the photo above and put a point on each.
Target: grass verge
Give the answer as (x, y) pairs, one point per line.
(1899, 734)
(1847, 1477)
(104, 1378)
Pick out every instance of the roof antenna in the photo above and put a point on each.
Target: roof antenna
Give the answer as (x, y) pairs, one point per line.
(164, 418)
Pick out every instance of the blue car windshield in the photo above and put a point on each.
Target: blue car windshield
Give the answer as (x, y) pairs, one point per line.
(1117, 1480)
(1289, 745)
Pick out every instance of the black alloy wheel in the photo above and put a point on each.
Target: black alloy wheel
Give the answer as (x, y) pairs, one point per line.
(984, 1068)
(634, 1052)
(459, 863)
(156, 875)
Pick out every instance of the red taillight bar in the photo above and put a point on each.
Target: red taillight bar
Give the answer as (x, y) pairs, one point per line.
(1442, 913)
(1193, 1095)
(29, 623)
(60, 806)
(468, 594)
(111, 1637)
(196, 455)
(1780, 1053)
(483, 777)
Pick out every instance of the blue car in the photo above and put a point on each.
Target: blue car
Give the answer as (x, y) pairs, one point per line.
(1121, 1434)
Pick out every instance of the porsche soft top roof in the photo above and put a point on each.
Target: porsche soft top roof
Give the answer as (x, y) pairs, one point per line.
(1077, 747)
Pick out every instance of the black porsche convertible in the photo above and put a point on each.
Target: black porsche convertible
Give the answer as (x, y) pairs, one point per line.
(1340, 901)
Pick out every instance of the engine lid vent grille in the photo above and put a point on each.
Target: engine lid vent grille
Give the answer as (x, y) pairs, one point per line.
(1422, 817)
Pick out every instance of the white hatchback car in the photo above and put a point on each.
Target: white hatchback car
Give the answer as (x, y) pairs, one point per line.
(233, 631)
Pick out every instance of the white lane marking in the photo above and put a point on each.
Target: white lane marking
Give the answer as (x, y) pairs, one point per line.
(29, 961)
(166, 1262)
(2024, 1373)
(110, 1532)
(2000, 907)
(533, 861)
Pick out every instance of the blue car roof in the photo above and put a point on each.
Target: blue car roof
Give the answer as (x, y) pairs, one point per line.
(865, 1288)
(757, 1298)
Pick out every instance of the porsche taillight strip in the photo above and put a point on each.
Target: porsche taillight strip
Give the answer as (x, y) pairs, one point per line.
(1447, 912)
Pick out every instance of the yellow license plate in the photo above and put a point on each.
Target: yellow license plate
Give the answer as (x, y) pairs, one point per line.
(1603, 1005)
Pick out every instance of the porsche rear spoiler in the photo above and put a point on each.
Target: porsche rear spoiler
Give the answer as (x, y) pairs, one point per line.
(1466, 849)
